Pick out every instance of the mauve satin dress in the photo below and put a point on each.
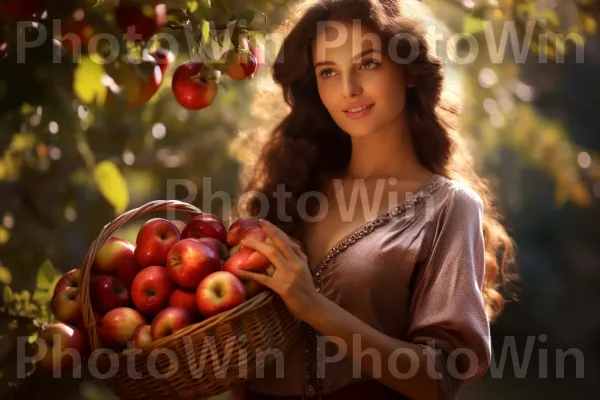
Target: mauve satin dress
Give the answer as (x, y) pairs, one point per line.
(416, 277)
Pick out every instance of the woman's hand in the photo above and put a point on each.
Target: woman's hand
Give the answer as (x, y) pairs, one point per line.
(292, 279)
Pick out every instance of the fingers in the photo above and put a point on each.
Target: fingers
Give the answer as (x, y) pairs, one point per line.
(281, 241)
(269, 251)
(260, 278)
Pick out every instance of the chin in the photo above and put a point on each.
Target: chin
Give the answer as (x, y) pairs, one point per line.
(358, 132)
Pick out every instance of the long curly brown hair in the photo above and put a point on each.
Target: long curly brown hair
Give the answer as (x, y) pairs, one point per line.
(293, 141)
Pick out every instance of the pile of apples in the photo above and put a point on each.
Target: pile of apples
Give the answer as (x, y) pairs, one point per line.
(175, 275)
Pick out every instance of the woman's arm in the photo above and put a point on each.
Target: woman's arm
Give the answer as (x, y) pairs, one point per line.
(358, 339)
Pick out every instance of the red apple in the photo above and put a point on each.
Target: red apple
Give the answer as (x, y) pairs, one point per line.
(216, 245)
(204, 226)
(242, 65)
(151, 289)
(70, 279)
(150, 75)
(153, 242)
(107, 292)
(164, 58)
(118, 326)
(170, 320)
(116, 258)
(240, 228)
(195, 85)
(60, 348)
(186, 299)
(218, 292)
(142, 336)
(136, 22)
(190, 261)
(259, 52)
(179, 224)
(65, 305)
(252, 287)
(247, 258)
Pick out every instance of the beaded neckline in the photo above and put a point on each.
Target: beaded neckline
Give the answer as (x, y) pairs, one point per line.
(378, 220)
(312, 385)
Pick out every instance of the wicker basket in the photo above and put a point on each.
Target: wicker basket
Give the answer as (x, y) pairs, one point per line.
(202, 360)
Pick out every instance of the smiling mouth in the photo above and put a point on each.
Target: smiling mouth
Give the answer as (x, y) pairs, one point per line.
(358, 109)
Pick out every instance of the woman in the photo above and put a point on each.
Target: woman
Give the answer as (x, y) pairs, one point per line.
(407, 288)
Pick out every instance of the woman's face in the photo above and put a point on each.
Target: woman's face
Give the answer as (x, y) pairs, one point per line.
(352, 74)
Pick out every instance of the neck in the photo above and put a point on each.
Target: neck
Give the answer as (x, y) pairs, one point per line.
(386, 153)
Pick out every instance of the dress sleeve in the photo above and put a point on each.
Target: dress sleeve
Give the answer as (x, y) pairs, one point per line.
(447, 312)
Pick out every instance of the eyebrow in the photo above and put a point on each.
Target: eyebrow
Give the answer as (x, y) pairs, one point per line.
(361, 54)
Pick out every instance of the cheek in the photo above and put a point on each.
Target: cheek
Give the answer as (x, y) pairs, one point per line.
(327, 95)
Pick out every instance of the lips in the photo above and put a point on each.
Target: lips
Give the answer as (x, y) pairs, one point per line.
(358, 108)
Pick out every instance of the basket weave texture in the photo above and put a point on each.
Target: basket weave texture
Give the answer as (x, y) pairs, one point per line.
(201, 360)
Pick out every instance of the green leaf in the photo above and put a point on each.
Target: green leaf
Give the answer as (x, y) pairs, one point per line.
(32, 338)
(192, 6)
(7, 296)
(205, 31)
(246, 16)
(26, 299)
(45, 275)
(177, 15)
(5, 275)
(87, 81)
(42, 296)
(112, 185)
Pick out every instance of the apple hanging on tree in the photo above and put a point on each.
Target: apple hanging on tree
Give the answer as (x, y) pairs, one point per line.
(241, 63)
(140, 21)
(195, 85)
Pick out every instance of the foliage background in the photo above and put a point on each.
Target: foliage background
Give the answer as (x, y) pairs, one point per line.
(534, 123)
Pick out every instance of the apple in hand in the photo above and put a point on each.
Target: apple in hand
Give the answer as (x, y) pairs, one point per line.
(240, 228)
(118, 326)
(205, 226)
(243, 257)
(107, 292)
(142, 336)
(170, 320)
(186, 299)
(153, 242)
(190, 261)
(218, 292)
(69, 279)
(151, 289)
(60, 347)
(65, 305)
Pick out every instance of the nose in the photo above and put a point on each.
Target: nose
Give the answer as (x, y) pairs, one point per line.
(351, 86)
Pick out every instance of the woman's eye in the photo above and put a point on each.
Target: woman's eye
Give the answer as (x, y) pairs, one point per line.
(326, 73)
(372, 64)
